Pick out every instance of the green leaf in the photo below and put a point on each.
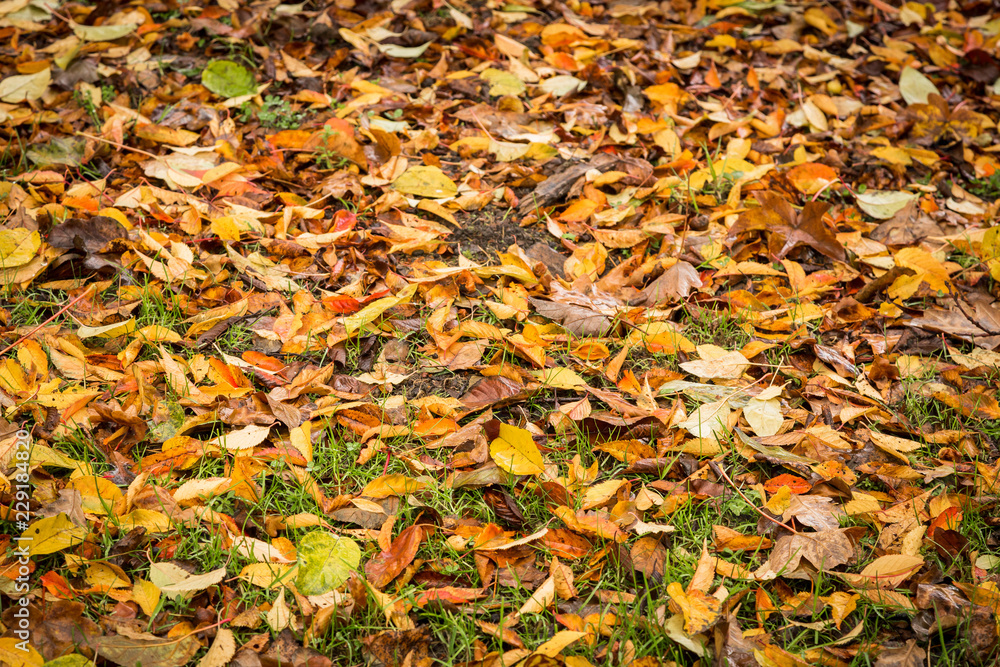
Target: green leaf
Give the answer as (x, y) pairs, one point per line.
(25, 87)
(228, 79)
(103, 33)
(61, 150)
(325, 562)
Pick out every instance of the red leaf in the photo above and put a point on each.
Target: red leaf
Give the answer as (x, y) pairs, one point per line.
(795, 484)
(341, 304)
(343, 220)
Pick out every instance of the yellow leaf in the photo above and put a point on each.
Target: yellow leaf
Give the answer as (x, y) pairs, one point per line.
(701, 611)
(502, 82)
(370, 312)
(269, 575)
(425, 181)
(599, 494)
(18, 246)
(15, 653)
(764, 417)
(893, 155)
(147, 595)
(559, 378)
(886, 572)
(221, 651)
(559, 641)
(52, 534)
(843, 604)
(154, 333)
(197, 491)
(26, 87)
(115, 214)
(280, 615)
(107, 575)
(515, 452)
(225, 228)
(109, 330)
(151, 520)
(780, 501)
(99, 494)
(926, 267)
(392, 485)
(579, 211)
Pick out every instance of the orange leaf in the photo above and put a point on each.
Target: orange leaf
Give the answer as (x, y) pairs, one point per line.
(263, 361)
(949, 519)
(290, 139)
(386, 566)
(811, 177)
(579, 211)
(342, 304)
(795, 484)
(83, 203)
(451, 594)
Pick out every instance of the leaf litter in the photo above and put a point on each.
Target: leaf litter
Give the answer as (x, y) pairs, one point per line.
(543, 334)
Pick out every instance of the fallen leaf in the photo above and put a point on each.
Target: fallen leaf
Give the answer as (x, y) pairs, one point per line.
(515, 451)
(325, 562)
(228, 79)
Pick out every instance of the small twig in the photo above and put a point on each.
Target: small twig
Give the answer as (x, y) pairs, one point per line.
(482, 127)
(868, 292)
(38, 328)
(958, 303)
(717, 469)
(121, 146)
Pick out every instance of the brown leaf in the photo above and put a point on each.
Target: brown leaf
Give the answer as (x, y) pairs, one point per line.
(57, 627)
(649, 556)
(788, 229)
(386, 566)
(577, 319)
(92, 236)
(972, 404)
(504, 506)
(147, 649)
(395, 648)
(674, 284)
(822, 551)
(909, 655)
(490, 391)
